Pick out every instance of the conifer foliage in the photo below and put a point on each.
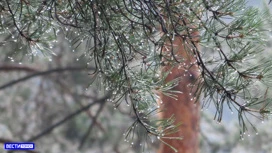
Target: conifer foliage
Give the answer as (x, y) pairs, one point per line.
(124, 41)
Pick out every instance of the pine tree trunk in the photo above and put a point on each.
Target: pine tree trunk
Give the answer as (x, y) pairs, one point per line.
(184, 109)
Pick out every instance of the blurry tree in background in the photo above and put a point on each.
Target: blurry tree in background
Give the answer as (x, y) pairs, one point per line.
(80, 58)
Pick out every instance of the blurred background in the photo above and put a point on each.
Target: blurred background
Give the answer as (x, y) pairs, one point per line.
(38, 91)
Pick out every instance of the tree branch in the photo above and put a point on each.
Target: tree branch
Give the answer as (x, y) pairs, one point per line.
(57, 70)
(15, 67)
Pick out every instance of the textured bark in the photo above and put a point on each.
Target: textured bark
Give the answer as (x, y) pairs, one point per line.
(184, 109)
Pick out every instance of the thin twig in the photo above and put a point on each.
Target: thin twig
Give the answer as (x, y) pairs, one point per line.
(76, 97)
(48, 130)
(83, 140)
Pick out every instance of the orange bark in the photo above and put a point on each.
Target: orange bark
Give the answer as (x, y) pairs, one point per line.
(184, 109)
